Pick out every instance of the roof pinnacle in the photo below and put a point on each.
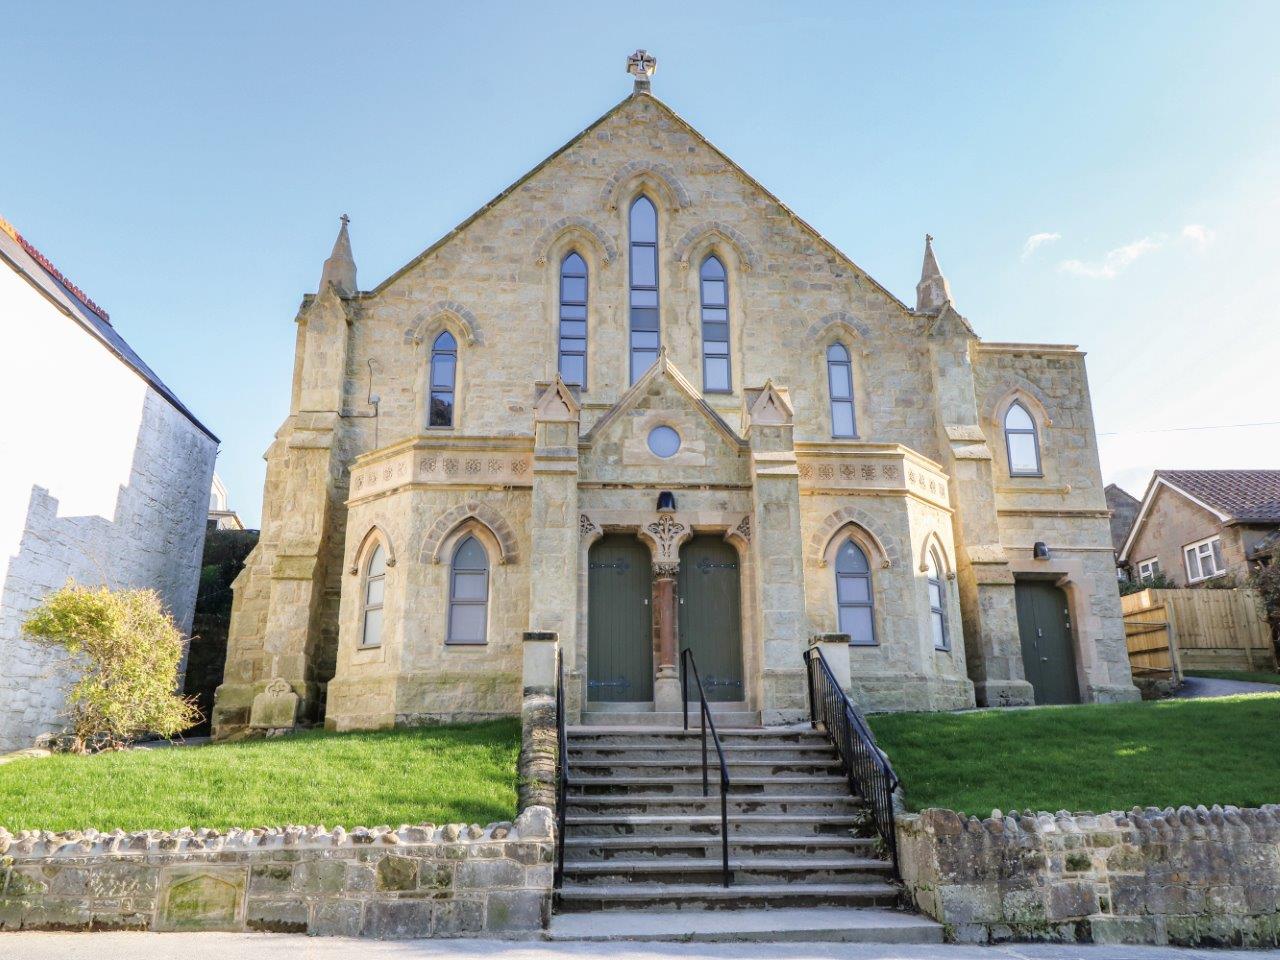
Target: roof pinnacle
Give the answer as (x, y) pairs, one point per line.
(932, 292)
(340, 269)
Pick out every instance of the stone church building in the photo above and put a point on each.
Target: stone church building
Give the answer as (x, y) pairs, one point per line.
(636, 401)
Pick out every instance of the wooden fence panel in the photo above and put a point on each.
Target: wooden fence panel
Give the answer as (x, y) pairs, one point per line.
(1151, 650)
(1207, 629)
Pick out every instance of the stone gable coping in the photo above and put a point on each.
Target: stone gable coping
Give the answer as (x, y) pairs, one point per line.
(533, 824)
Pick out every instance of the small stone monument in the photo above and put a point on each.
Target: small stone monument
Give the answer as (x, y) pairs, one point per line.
(275, 708)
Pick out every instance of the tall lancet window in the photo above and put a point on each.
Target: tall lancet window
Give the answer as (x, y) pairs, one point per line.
(644, 286)
(840, 385)
(444, 369)
(1021, 442)
(853, 595)
(468, 593)
(573, 320)
(715, 327)
(937, 602)
(375, 582)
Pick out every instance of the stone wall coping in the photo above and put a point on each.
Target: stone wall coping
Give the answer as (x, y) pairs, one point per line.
(534, 824)
(1167, 821)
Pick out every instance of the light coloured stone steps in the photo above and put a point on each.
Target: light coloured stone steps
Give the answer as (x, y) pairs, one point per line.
(697, 805)
(790, 925)
(743, 896)
(750, 870)
(638, 734)
(708, 847)
(692, 753)
(585, 769)
(691, 785)
(760, 824)
(672, 719)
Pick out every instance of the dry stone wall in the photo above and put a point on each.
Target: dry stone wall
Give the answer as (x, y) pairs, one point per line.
(1195, 877)
(414, 881)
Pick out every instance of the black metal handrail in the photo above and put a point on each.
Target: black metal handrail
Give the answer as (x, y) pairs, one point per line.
(865, 764)
(562, 772)
(686, 664)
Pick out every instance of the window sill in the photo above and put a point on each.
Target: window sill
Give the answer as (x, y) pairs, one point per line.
(1025, 476)
(466, 643)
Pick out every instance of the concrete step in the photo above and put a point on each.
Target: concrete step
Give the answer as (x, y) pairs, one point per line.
(625, 735)
(692, 752)
(698, 805)
(671, 720)
(583, 769)
(793, 925)
(708, 847)
(691, 785)
(743, 824)
(751, 870)
(577, 898)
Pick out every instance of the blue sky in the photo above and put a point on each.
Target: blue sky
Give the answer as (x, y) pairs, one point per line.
(186, 165)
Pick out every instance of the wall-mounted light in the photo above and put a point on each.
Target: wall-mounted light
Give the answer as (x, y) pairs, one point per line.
(666, 500)
(1040, 551)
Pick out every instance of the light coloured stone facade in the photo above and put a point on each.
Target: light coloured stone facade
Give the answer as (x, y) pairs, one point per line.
(105, 479)
(538, 471)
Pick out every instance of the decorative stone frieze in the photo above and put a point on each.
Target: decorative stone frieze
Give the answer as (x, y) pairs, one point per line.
(874, 467)
(1191, 876)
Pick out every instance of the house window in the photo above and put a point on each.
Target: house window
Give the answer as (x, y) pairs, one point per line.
(1021, 442)
(644, 286)
(937, 602)
(853, 595)
(375, 585)
(840, 386)
(573, 320)
(1204, 559)
(444, 368)
(715, 327)
(468, 593)
(1148, 570)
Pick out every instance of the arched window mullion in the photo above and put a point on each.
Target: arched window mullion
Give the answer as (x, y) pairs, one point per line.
(1022, 442)
(844, 423)
(645, 327)
(854, 598)
(444, 375)
(468, 593)
(713, 285)
(573, 320)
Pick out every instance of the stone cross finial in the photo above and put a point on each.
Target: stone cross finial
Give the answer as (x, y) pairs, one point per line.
(641, 65)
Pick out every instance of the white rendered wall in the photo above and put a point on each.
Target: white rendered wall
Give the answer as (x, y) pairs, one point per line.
(101, 480)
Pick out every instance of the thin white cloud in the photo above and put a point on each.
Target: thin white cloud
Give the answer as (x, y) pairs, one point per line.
(1036, 241)
(1115, 261)
(1198, 234)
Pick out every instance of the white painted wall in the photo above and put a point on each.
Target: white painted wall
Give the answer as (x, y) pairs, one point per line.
(101, 480)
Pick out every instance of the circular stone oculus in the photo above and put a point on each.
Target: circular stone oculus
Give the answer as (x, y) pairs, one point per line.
(664, 442)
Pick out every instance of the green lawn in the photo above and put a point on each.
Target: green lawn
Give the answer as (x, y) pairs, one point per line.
(1096, 757)
(464, 773)
(1252, 676)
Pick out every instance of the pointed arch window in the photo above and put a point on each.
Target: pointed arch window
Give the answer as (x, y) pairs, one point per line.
(375, 585)
(853, 595)
(937, 601)
(716, 374)
(645, 330)
(468, 593)
(1021, 442)
(444, 370)
(840, 387)
(573, 319)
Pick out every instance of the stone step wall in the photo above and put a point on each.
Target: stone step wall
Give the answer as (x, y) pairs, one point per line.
(1192, 877)
(414, 881)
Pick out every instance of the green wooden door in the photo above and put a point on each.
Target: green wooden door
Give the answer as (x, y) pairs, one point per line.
(710, 615)
(619, 621)
(1048, 657)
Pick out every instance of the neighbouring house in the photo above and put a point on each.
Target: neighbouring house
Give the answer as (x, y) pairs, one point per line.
(637, 402)
(106, 475)
(221, 516)
(1124, 507)
(1198, 526)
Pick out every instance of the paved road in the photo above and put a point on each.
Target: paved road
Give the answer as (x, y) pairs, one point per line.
(1197, 688)
(239, 946)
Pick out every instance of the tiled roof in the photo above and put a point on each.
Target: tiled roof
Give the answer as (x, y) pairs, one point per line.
(1246, 496)
(23, 257)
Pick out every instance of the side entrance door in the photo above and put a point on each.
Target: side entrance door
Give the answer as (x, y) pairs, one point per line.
(619, 621)
(710, 615)
(1048, 656)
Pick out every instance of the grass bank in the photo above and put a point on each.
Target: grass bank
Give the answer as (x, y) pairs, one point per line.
(1095, 757)
(452, 774)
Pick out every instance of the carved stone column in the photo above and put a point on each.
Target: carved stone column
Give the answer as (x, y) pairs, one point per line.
(664, 535)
